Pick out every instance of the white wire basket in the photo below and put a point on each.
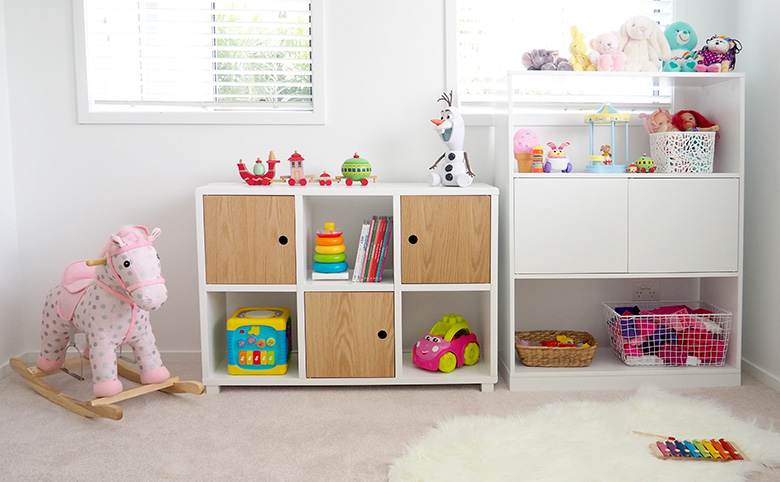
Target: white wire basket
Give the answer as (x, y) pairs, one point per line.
(672, 333)
(683, 151)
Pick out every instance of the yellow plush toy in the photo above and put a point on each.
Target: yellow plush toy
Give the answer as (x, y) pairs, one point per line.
(579, 57)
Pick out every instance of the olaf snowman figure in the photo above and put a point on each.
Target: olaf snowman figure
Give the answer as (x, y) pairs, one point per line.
(455, 170)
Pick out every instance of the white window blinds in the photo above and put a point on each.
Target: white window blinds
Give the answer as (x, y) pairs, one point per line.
(491, 35)
(181, 56)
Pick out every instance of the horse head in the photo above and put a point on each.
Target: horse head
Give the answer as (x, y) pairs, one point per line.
(134, 266)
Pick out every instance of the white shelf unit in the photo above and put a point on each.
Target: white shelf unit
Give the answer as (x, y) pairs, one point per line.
(417, 304)
(568, 242)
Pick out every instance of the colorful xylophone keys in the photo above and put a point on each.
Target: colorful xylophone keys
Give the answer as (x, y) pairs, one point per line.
(704, 449)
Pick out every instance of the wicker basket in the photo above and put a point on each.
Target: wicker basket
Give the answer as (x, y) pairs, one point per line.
(544, 356)
(683, 151)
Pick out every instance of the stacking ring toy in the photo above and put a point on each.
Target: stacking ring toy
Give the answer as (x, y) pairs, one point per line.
(329, 267)
(330, 258)
(329, 241)
(330, 249)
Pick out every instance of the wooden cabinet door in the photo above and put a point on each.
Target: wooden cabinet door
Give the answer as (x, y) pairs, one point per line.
(249, 239)
(445, 239)
(349, 335)
(684, 225)
(570, 225)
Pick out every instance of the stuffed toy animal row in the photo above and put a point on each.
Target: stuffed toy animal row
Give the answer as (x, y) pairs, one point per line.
(639, 45)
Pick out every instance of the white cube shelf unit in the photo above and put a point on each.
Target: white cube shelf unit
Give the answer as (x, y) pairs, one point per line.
(255, 249)
(568, 242)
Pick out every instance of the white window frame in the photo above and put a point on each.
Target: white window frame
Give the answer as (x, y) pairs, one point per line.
(477, 113)
(315, 116)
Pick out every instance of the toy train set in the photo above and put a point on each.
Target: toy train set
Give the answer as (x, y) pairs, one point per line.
(353, 170)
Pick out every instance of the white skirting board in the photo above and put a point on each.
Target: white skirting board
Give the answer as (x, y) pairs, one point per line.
(761, 375)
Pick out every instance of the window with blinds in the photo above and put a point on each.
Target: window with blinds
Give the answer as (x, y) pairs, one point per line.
(197, 60)
(492, 35)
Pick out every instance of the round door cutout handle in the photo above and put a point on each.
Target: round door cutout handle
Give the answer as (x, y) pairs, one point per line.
(283, 240)
(382, 334)
(413, 239)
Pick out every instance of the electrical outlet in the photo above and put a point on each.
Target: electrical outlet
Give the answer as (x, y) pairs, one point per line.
(646, 291)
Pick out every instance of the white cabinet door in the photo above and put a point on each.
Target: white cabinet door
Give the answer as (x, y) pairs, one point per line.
(683, 225)
(570, 225)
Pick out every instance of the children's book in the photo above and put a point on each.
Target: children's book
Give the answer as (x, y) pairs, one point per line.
(376, 252)
(383, 256)
(375, 236)
(360, 257)
(370, 248)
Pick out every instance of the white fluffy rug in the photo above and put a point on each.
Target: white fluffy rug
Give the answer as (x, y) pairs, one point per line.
(586, 441)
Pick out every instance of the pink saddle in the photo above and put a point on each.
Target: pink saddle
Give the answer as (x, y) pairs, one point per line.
(76, 278)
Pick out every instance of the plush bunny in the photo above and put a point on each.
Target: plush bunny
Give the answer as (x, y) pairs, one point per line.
(719, 54)
(644, 44)
(543, 59)
(682, 42)
(605, 53)
(556, 159)
(579, 60)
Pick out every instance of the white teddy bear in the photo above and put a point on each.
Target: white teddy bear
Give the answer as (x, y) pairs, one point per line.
(605, 53)
(644, 44)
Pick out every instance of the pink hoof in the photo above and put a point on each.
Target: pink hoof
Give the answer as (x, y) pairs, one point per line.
(155, 376)
(107, 389)
(49, 366)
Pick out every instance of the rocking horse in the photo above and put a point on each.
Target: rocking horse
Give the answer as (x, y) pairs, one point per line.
(109, 300)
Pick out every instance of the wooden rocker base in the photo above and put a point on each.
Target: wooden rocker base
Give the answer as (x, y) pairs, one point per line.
(103, 407)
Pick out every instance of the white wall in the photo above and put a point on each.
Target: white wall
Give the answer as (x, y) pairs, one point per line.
(11, 328)
(76, 184)
(762, 191)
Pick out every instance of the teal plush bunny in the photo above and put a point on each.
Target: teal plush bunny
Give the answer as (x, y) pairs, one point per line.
(682, 40)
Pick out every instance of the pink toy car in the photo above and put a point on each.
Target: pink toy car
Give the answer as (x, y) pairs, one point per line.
(450, 344)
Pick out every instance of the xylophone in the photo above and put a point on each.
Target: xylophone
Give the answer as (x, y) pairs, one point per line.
(720, 450)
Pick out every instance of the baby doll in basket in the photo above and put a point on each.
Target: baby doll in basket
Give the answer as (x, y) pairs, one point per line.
(658, 121)
(690, 120)
(685, 120)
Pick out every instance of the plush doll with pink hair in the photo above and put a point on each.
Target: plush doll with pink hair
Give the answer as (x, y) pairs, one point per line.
(658, 121)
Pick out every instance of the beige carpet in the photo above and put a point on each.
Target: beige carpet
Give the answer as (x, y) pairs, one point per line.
(271, 434)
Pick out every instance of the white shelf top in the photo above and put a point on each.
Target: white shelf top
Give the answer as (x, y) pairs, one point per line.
(340, 189)
(697, 78)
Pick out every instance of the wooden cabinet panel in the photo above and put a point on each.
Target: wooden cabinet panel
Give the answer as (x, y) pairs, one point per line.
(349, 335)
(249, 239)
(683, 225)
(570, 225)
(445, 239)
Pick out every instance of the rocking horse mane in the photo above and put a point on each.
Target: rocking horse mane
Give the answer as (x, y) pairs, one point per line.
(129, 234)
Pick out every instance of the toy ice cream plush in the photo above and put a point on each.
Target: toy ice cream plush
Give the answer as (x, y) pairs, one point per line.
(524, 142)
